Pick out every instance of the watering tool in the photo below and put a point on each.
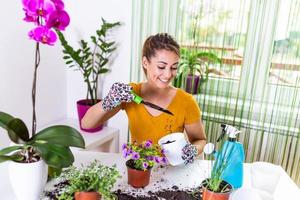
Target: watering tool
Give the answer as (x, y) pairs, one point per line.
(231, 155)
(137, 99)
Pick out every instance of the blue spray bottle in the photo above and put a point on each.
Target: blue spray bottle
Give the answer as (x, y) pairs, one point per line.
(231, 153)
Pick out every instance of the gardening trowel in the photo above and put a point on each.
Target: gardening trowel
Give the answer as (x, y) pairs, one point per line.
(137, 99)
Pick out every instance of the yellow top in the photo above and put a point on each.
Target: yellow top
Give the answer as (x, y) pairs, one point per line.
(144, 126)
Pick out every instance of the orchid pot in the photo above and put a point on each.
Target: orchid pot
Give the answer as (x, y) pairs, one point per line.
(82, 107)
(223, 192)
(137, 178)
(87, 196)
(20, 173)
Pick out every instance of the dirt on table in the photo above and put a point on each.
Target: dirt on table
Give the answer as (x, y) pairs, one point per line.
(173, 193)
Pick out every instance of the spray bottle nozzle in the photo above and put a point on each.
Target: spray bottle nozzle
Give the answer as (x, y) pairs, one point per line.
(228, 129)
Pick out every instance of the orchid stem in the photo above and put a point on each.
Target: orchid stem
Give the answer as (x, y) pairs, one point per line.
(36, 65)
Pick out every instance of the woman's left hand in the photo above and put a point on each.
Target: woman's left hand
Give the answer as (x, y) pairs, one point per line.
(189, 153)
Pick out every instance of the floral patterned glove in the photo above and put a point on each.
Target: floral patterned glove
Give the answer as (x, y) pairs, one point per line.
(118, 93)
(189, 153)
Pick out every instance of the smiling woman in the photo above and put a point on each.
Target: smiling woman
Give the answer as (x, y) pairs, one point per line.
(160, 57)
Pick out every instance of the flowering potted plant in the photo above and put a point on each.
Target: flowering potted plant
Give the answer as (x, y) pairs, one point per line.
(91, 61)
(142, 158)
(31, 153)
(90, 182)
(193, 69)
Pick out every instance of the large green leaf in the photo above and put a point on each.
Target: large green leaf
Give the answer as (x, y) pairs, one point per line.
(17, 130)
(10, 149)
(4, 119)
(54, 155)
(16, 158)
(61, 135)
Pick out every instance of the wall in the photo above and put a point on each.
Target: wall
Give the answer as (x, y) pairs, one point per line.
(86, 18)
(58, 87)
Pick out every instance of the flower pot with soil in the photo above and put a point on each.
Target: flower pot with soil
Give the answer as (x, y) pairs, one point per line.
(82, 107)
(89, 182)
(221, 193)
(142, 158)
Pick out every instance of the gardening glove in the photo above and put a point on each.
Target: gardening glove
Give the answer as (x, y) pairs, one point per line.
(118, 93)
(189, 153)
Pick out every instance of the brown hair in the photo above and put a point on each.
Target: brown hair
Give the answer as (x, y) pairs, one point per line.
(159, 41)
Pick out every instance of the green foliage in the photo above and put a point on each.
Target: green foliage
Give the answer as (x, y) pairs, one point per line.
(51, 144)
(194, 62)
(93, 178)
(214, 183)
(91, 61)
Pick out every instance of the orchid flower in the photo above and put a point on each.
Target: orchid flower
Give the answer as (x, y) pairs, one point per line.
(38, 7)
(58, 19)
(43, 34)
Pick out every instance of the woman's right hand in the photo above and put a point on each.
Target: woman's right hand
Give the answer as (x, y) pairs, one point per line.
(118, 93)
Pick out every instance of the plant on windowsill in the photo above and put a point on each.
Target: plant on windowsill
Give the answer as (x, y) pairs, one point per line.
(193, 69)
(91, 61)
(142, 158)
(93, 181)
(31, 153)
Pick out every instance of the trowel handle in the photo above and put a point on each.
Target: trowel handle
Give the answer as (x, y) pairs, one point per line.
(137, 99)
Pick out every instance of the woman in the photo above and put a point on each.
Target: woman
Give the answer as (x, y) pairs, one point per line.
(160, 59)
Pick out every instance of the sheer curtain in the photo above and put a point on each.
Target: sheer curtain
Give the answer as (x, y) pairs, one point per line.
(256, 86)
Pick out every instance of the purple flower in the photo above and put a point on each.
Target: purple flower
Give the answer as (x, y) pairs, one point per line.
(157, 159)
(149, 157)
(164, 160)
(135, 155)
(125, 153)
(163, 151)
(124, 146)
(43, 35)
(145, 165)
(58, 19)
(148, 143)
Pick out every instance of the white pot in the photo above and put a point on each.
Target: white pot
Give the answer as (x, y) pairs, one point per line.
(173, 144)
(28, 179)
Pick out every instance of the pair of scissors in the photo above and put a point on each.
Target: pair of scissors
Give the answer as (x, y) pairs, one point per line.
(137, 99)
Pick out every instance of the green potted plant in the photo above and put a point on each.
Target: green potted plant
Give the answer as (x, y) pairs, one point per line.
(193, 69)
(90, 182)
(227, 165)
(91, 61)
(29, 154)
(142, 158)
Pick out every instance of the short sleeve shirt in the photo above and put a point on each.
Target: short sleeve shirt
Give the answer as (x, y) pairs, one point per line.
(144, 126)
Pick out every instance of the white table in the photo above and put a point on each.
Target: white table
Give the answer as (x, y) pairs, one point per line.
(106, 140)
(181, 176)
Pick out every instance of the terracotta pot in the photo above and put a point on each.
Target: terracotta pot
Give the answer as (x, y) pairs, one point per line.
(82, 107)
(87, 196)
(138, 178)
(210, 195)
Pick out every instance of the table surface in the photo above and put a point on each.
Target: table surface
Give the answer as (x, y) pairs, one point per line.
(182, 176)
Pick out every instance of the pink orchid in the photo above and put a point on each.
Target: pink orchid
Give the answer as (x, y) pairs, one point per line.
(58, 19)
(43, 34)
(38, 7)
